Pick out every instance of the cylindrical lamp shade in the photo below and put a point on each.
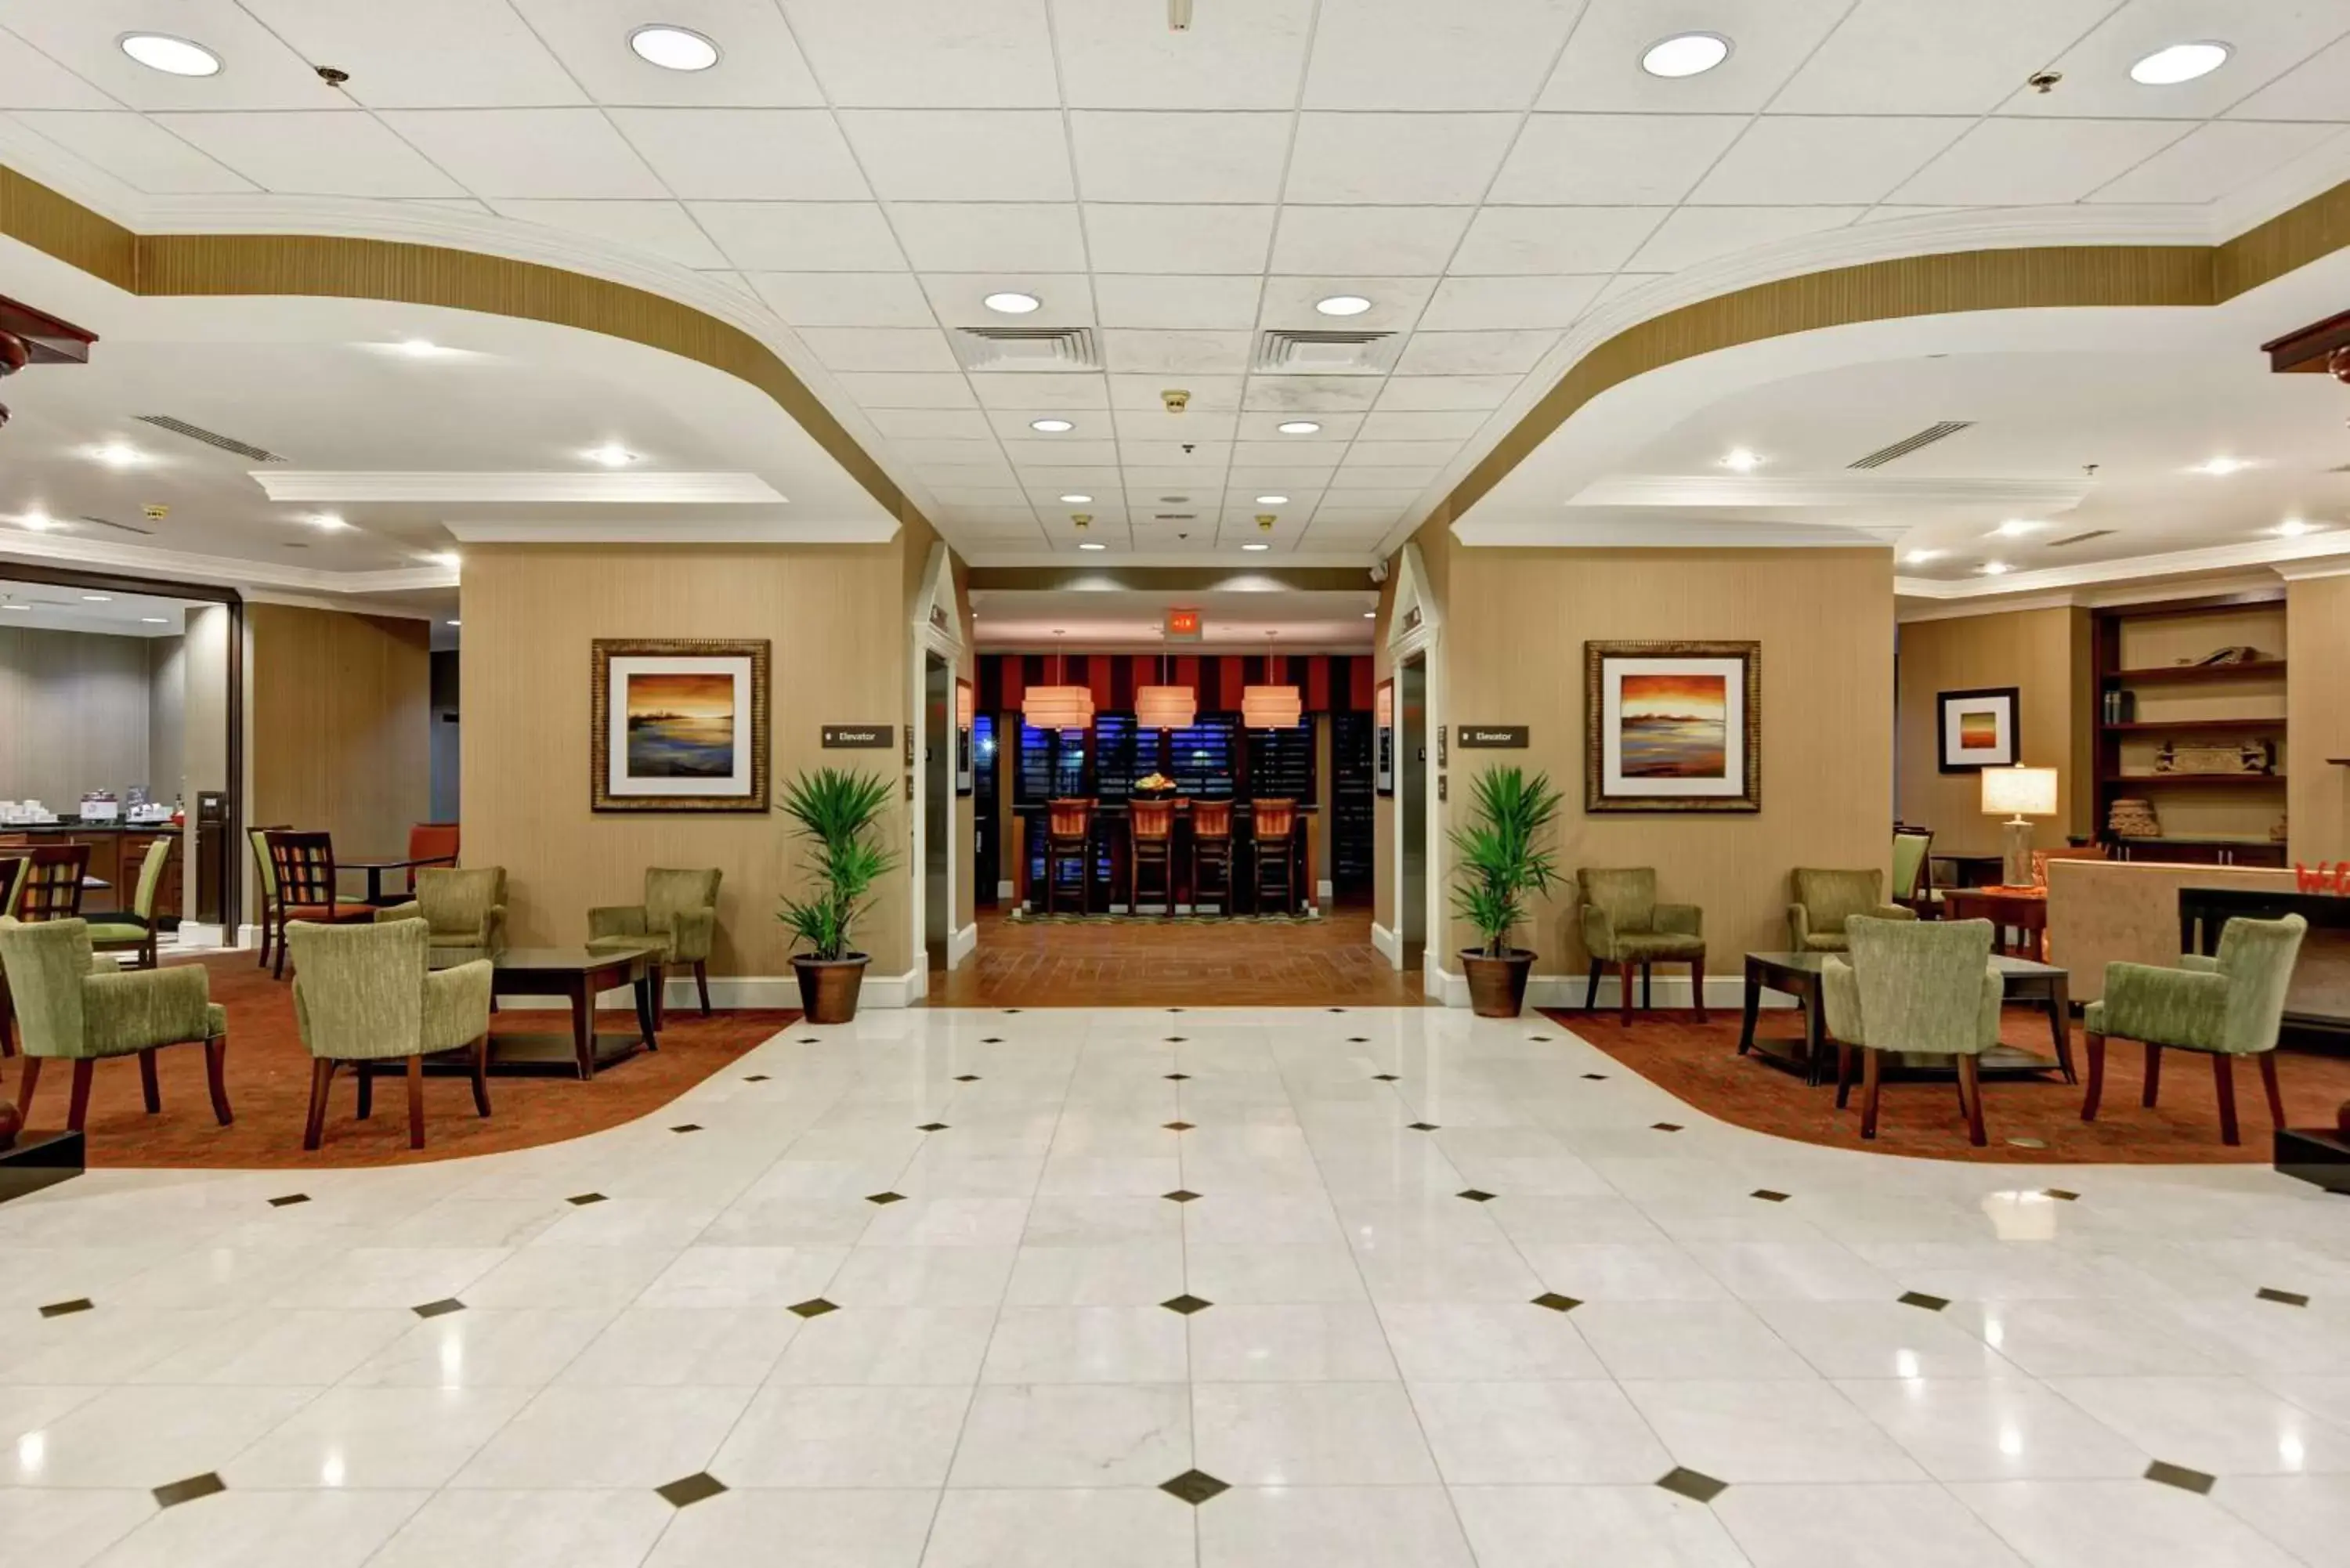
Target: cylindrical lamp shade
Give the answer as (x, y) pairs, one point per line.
(2019, 791)
(1271, 707)
(1165, 707)
(963, 706)
(1057, 708)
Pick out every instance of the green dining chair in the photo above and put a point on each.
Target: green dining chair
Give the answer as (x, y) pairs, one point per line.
(265, 885)
(73, 1006)
(364, 997)
(135, 929)
(1625, 926)
(1919, 987)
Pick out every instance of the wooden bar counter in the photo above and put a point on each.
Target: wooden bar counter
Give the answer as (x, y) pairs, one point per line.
(1109, 834)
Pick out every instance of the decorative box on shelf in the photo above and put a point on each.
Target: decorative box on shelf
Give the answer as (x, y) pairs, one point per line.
(2245, 757)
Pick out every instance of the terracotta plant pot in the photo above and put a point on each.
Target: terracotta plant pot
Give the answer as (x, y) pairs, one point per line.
(1497, 986)
(829, 987)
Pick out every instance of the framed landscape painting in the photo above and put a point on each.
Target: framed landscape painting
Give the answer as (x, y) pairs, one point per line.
(1978, 730)
(1673, 726)
(679, 725)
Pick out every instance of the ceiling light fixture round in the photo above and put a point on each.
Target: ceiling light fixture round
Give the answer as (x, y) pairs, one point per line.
(1685, 55)
(1739, 460)
(1343, 305)
(1273, 501)
(118, 454)
(453, 623)
(673, 48)
(1093, 545)
(2179, 63)
(2220, 467)
(1919, 557)
(2017, 528)
(1995, 568)
(1074, 500)
(1297, 427)
(2295, 528)
(155, 620)
(38, 522)
(1012, 302)
(172, 56)
(1256, 546)
(610, 454)
(326, 522)
(1051, 427)
(97, 599)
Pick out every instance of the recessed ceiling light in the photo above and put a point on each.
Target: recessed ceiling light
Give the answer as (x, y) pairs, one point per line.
(21, 610)
(1273, 501)
(172, 56)
(449, 558)
(327, 522)
(1685, 55)
(1297, 427)
(1051, 427)
(1343, 305)
(118, 454)
(1090, 544)
(155, 620)
(1074, 500)
(611, 455)
(2179, 63)
(673, 48)
(1012, 302)
(38, 522)
(1256, 546)
(2017, 528)
(1994, 569)
(97, 599)
(453, 623)
(2220, 467)
(2295, 528)
(1741, 460)
(1919, 557)
(419, 348)
(1370, 614)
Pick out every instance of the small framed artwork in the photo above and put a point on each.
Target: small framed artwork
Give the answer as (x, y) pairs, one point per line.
(1673, 726)
(679, 724)
(1383, 740)
(964, 719)
(1977, 730)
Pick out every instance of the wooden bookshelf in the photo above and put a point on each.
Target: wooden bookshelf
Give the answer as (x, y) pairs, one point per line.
(2182, 674)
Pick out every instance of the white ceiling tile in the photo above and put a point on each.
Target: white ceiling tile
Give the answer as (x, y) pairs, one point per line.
(1155, 238)
(801, 236)
(1159, 425)
(1246, 56)
(947, 475)
(1072, 449)
(1147, 157)
(1395, 241)
(1276, 479)
(30, 79)
(961, 155)
(2267, 40)
(1613, 160)
(886, 349)
(1625, 283)
(533, 153)
(1396, 302)
(1473, 353)
(931, 452)
(935, 424)
(1823, 161)
(443, 53)
(920, 54)
(1369, 497)
(1523, 240)
(970, 497)
(1261, 425)
(1692, 234)
(1058, 392)
(1401, 159)
(746, 154)
(331, 152)
(1402, 54)
(1390, 426)
(258, 69)
(664, 228)
(135, 151)
(758, 66)
(1378, 476)
(2312, 90)
(916, 391)
(2017, 162)
(1441, 394)
(1066, 298)
(1898, 56)
(2214, 160)
(1401, 453)
(1315, 395)
(1601, 68)
(844, 299)
(1207, 301)
(1288, 454)
(1169, 452)
(1152, 486)
(1131, 350)
(990, 236)
(1886, 215)
(1481, 304)
(1209, 394)
(1093, 422)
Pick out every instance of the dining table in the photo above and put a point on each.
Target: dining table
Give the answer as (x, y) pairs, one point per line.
(375, 869)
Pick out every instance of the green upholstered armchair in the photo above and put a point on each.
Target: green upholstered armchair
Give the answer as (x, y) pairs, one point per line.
(1924, 986)
(2226, 1006)
(133, 930)
(465, 910)
(75, 1007)
(678, 919)
(1625, 926)
(1823, 900)
(363, 995)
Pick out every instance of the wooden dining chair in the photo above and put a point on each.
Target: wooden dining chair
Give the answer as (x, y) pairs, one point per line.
(12, 866)
(52, 882)
(1211, 850)
(431, 843)
(304, 867)
(1068, 840)
(265, 884)
(1275, 822)
(1150, 841)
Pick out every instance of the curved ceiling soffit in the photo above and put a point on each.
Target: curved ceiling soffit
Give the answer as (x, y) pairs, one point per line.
(1605, 352)
(425, 267)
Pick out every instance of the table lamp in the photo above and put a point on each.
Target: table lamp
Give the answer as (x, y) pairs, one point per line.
(2026, 793)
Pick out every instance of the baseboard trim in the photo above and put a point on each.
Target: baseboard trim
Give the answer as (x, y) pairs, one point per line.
(1326, 892)
(1726, 992)
(962, 944)
(1003, 892)
(731, 992)
(199, 934)
(1387, 944)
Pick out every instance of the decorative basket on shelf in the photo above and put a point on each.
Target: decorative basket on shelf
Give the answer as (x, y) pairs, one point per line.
(2132, 818)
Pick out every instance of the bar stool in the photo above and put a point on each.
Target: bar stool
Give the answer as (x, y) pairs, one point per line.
(1276, 830)
(1211, 850)
(1068, 841)
(1150, 841)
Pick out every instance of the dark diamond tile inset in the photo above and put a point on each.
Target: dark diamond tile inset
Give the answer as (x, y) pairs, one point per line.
(1421, 1127)
(1920, 1299)
(966, 1077)
(440, 1308)
(1176, 1040)
(1178, 1077)
(1386, 1078)
(993, 1040)
(1767, 1196)
(581, 1200)
(1194, 1487)
(1695, 1485)
(1186, 1304)
(1338, 1009)
(815, 1308)
(1474, 1196)
(1665, 1127)
(1597, 1078)
(811, 1040)
(755, 1078)
(172, 1494)
(931, 1126)
(2059, 1194)
(290, 1199)
(1539, 1039)
(687, 1490)
(1556, 1302)
(1179, 1127)
(1179, 1195)
(2285, 1298)
(884, 1198)
(1358, 1039)
(686, 1127)
(67, 1309)
(2180, 1477)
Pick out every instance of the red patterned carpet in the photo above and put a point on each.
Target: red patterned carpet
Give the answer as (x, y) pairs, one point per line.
(1699, 1063)
(269, 1090)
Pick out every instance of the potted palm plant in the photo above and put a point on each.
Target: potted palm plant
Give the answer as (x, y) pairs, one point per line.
(839, 815)
(1499, 862)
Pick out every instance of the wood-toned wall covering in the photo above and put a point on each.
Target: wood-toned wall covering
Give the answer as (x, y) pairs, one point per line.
(837, 619)
(2317, 652)
(340, 724)
(1514, 626)
(2044, 654)
(74, 712)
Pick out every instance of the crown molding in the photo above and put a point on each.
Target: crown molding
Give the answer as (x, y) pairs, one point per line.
(2317, 555)
(219, 571)
(977, 559)
(669, 531)
(1862, 490)
(520, 488)
(1647, 534)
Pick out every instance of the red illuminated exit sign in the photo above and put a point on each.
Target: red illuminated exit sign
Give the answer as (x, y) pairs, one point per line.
(1183, 626)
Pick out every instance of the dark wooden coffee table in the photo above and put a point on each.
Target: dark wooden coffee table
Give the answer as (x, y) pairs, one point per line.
(1798, 975)
(576, 974)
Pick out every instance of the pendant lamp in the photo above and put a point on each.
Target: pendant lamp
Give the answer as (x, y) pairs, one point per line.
(1059, 707)
(1272, 706)
(1165, 707)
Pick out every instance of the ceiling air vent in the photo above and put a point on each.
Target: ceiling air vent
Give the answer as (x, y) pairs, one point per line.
(1910, 443)
(2079, 538)
(110, 523)
(1026, 348)
(1281, 352)
(210, 438)
(1175, 518)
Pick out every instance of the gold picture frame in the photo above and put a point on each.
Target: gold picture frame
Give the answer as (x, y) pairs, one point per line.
(693, 725)
(1672, 727)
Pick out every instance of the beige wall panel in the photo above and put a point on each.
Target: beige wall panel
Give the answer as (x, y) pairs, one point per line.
(2318, 655)
(74, 715)
(339, 728)
(2044, 654)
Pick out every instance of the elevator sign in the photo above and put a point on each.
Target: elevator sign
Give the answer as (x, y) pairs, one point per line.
(1183, 626)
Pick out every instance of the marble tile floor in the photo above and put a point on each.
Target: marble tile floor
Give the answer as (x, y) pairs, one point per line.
(948, 1289)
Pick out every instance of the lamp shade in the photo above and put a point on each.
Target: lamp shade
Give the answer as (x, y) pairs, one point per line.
(1057, 708)
(1165, 707)
(1271, 707)
(2019, 791)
